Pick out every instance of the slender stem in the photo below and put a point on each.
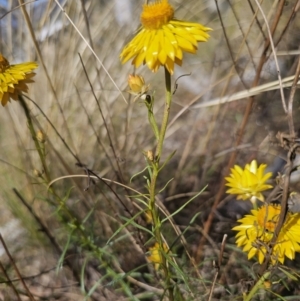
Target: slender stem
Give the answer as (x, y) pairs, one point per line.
(165, 120)
(16, 269)
(41, 152)
(33, 134)
(291, 100)
(152, 188)
(151, 117)
(74, 220)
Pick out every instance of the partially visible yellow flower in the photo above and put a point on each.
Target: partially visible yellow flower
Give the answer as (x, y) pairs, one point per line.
(14, 79)
(256, 232)
(248, 183)
(162, 39)
(137, 86)
(155, 255)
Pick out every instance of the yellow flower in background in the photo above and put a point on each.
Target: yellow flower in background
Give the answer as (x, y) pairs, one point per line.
(256, 232)
(162, 39)
(14, 79)
(248, 183)
(155, 255)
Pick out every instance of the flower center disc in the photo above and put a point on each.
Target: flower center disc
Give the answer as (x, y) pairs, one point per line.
(157, 14)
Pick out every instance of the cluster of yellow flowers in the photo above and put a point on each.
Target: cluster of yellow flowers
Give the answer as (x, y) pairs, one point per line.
(256, 231)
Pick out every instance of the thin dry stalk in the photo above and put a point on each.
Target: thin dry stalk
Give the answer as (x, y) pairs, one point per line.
(119, 171)
(291, 101)
(9, 282)
(90, 47)
(275, 56)
(38, 50)
(217, 267)
(47, 233)
(16, 269)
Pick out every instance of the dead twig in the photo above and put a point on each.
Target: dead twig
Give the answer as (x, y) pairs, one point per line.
(217, 267)
(9, 281)
(291, 100)
(16, 268)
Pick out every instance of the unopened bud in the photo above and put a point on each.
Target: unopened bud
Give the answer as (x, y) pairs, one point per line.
(137, 86)
(148, 217)
(136, 83)
(149, 155)
(40, 136)
(37, 173)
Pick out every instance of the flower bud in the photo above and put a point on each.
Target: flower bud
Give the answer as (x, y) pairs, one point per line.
(40, 136)
(136, 83)
(37, 173)
(137, 86)
(148, 217)
(149, 155)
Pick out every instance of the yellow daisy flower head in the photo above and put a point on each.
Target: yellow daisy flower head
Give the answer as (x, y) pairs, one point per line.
(162, 39)
(14, 79)
(248, 183)
(256, 232)
(155, 255)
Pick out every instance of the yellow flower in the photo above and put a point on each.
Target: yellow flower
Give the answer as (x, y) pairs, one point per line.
(14, 79)
(256, 232)
(248, 183)
(155, 255)
(161, 39)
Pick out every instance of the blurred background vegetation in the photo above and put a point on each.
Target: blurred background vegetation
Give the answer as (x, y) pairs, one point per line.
(91, 125)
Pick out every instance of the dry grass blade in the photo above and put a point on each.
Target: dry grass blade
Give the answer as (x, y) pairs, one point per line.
(81, 159)
(286, 82)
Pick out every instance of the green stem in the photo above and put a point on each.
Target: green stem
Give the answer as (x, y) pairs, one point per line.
(257, 286)
(33, 134)
(152, 120)
(152, 188)
(165, 120)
